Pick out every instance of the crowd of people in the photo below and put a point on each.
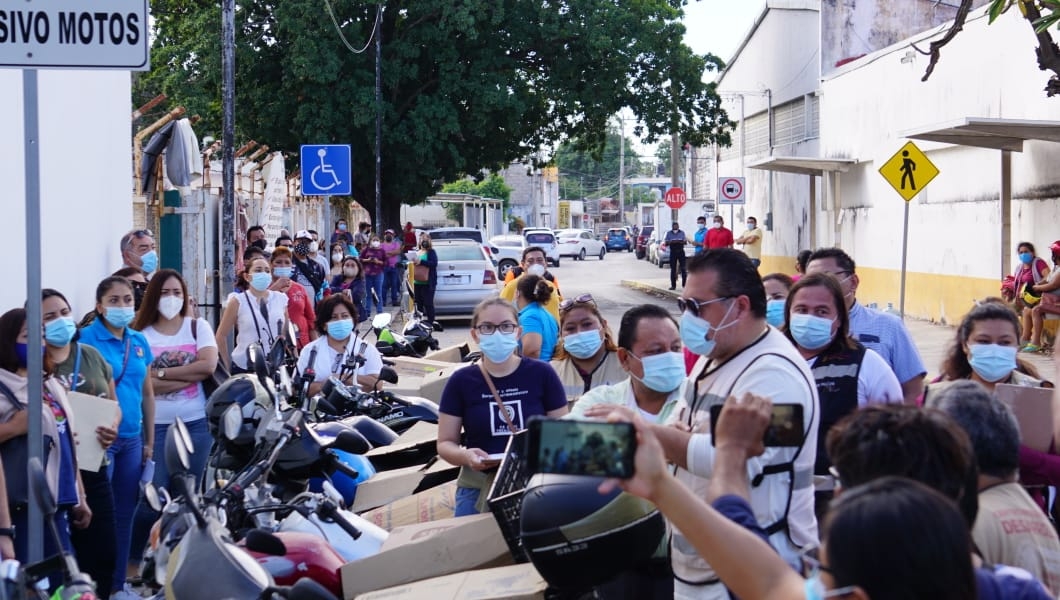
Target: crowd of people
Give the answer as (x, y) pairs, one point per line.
(889, 495)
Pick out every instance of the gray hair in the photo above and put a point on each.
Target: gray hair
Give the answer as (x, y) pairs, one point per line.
(989, 423)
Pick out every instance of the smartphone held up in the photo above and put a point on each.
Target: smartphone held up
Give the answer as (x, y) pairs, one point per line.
(786, 426)
(573, 447)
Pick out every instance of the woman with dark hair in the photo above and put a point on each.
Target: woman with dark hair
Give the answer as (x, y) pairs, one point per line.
(185, 353)
(848, 375)
(778, 287)
(351, 283)
(337, 345)
(1031, 271)
(129, 355)
(587, 356)
(60, 458)
(81, 368)
(299, 303)
(374, 259)
(424, 290)
(258, 314)
(540, 329)
(801, 261)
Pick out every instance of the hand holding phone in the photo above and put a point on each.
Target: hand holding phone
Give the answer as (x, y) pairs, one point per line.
(785, 427)
(572, 447)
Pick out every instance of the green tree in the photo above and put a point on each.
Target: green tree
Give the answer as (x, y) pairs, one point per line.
(588, 174)
(490, 187)
(662, 153)
(467, 86)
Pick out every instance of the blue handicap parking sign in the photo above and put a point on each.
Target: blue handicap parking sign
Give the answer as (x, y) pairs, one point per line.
(326, 170)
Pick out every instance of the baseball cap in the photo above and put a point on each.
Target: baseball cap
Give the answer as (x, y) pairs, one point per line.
(303, 234)
(390, 231)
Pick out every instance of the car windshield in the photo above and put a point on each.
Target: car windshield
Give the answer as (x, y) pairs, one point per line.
(508, 243)
(571, 234)
(617, 233)
(539, 238)
(458, 252)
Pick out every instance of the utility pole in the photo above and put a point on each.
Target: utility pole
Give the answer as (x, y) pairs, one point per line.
(227, 252)
(621, 166)
(379, 120)
(675, 174)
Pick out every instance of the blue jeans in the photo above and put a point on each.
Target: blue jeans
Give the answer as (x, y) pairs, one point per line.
(373, 282)
(392, 285)
(126, 462)
(146, 516)
(466, 499)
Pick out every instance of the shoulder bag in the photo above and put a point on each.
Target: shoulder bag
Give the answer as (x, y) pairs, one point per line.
(219, 375)
(15, 453)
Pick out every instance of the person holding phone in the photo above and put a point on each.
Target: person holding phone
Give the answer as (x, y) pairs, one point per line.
(490, 401)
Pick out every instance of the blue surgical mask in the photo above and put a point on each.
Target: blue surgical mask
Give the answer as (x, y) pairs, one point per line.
(59, 332)
(991, 361)
(340, 329)
(150, 262)
(813, 589)
(694, 332)
(584, 344)
(22, 352)
(775, 312)
(810, 331)
(701, 226)
(498, 346)
(260, 281)
(1026, 257)
(662, 372)
(119, 316)
(283, 272)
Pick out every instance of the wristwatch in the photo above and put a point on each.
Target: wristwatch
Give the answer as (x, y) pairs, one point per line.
(8, 532)
(161, 373)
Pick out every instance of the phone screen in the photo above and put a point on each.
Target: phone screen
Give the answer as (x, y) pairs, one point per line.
(785, 428)
(572, 447)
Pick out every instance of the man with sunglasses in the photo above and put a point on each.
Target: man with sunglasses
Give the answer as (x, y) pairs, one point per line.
(879, 331)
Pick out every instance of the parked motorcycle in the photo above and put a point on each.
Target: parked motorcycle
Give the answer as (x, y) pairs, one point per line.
(416, 338)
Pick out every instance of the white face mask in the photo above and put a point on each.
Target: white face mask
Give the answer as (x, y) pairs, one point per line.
(336, 257)
(717, 225)
(538, 270)
(170, 306)
(375, 244)
(313, 247)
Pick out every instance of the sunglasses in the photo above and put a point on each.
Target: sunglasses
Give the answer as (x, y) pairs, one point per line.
(691, 305)
(571, 302)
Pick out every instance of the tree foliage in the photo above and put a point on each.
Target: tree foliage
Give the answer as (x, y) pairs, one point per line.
(466, 85)
(585, 174)
(493, 186)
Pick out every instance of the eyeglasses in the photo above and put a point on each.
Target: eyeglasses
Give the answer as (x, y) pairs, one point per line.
(570, 302)
(812, 567)
(691, 305)
(490, 328)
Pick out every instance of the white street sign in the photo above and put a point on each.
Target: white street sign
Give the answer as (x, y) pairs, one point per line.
(74, 34)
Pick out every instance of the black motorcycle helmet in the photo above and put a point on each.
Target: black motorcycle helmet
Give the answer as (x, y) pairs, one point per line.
(578, 538)
(246, 391)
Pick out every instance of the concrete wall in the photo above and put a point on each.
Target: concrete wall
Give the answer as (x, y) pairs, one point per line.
(954, 228)
(86, 185)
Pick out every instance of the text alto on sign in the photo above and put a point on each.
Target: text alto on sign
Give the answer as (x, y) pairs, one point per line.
(73, 34)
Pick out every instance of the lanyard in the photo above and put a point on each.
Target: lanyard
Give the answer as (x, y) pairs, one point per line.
(77, 368)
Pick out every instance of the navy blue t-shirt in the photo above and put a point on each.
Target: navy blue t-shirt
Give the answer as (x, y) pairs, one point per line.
(532, 389)
(1006, 583)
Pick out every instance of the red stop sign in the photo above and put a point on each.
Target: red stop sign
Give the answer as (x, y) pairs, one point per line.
(675, 197)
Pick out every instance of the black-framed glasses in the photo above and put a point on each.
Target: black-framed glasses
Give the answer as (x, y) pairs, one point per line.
(490, 328)
(571, 302)
(694, 306)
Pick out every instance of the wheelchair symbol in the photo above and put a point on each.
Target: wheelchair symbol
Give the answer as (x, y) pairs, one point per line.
(324, 169)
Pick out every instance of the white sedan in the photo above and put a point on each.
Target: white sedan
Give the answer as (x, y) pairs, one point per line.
(579, 244)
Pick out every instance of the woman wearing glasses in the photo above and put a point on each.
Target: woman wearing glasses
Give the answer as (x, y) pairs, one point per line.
(472, 399)
(587, 355)
(259, 313)
(540, 329)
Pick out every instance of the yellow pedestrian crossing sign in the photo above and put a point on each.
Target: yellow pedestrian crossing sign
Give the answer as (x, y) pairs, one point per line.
(909, 171)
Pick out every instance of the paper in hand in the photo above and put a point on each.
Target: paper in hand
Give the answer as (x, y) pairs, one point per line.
(90, 412)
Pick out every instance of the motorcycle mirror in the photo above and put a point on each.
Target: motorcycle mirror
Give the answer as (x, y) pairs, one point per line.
(256, 359)
(307, 589)
(381, 320)
(388, 374)
(276, 353)
(232, 422)
(292, 334)
(285, 381)
(185, 435)
(349, 440)
(176, 452)
(151, 495)
(45, 500)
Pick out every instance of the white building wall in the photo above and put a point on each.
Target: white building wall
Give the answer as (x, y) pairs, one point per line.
(86, 185)
(954, 229)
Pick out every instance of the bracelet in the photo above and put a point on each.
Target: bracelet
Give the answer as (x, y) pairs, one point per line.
(8, 532)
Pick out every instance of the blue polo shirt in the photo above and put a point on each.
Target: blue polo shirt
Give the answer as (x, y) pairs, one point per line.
(129, 385)
(534, 318)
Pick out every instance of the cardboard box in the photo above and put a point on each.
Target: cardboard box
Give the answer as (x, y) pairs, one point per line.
(519, 582)
(432, 384)
(426, 550)
(408, 366)
(430, 505)
(453, 354)
(1033, 407)
(387, 486)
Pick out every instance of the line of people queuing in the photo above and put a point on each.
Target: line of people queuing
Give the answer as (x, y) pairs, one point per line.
(884, 498)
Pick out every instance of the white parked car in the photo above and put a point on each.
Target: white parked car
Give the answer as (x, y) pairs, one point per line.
(579, 243)
(465, 276)
(544, 239)
(507, 252)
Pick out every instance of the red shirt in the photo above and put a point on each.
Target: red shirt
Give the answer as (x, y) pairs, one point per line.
(718, 238)
(300, 311)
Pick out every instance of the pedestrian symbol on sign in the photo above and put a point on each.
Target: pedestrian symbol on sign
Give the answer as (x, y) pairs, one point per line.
(909, 171)
(908, 166)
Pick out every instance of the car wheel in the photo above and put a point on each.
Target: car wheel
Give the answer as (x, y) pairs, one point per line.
(602, 253)
(557, 263)
(581, 255)
(504, 267)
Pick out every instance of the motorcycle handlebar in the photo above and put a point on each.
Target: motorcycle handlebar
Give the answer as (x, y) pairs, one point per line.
(343, 467)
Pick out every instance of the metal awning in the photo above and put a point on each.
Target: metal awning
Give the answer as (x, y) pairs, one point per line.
(998, 134)
(803, 165)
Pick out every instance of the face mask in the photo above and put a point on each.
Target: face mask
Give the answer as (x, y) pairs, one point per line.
(536, 269)
(662, 372)
(425, 245)
(813, 589)
(22, 351)
(301, 249)
(375, 244)
(389, 238)
(701, 226)
(259, 244)
(717, 225)
(119, 316)
(498, 346)
(1026, 257)
(991, 361)
(150, 262)
(349, 272)
(342, 227)
(340, 329)
(281, 272)
(584, 344)
(811, 332)
(694, 332)
(170, 306)
(775, 313)
(260, 281)
(336, 257)
(313, 247)
(751, 225)
(59, 332)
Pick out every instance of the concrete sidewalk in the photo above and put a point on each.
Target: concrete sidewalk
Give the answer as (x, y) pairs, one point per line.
(932, 340)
